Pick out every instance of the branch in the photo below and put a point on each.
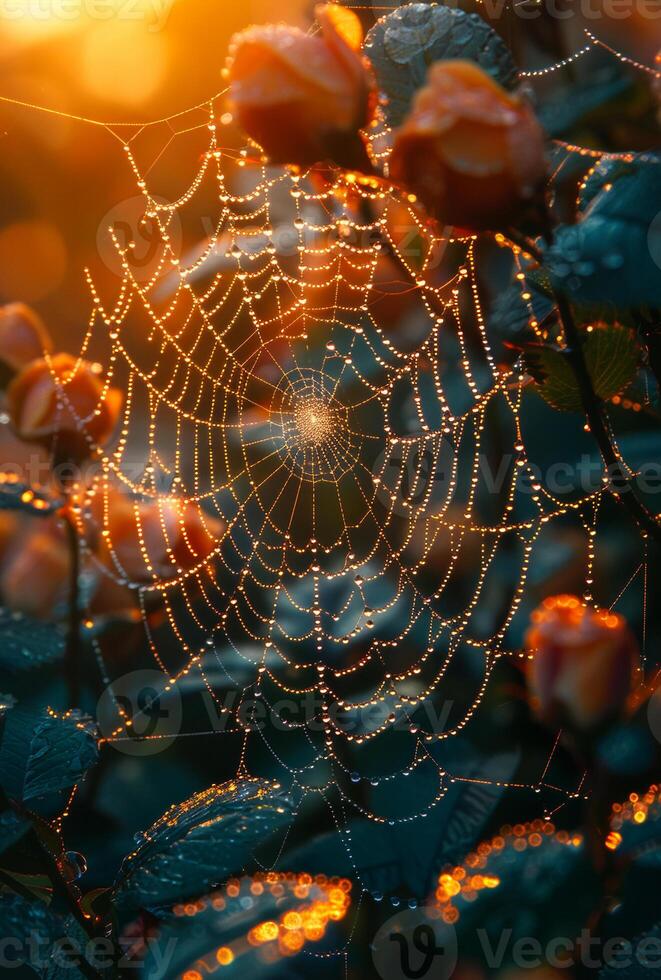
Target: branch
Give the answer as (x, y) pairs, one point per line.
(593, 406)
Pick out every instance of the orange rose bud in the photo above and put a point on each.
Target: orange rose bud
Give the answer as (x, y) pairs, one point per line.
(582, 663)
(158, 538)
(86, 410)
(23, 336)
(304, 97)
(34, 574)
(471, 153)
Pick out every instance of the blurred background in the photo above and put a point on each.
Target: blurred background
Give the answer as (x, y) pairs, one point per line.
(141, 60)
(114, 60)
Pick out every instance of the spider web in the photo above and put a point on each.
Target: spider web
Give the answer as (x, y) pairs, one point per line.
(330, 450)
(335, 460)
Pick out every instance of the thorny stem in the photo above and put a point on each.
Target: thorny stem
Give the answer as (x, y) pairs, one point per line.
(593, 407)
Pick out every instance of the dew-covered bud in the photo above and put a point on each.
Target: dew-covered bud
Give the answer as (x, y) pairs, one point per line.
(472, 153)
(581, 666)
(304, 98)
(63, 403)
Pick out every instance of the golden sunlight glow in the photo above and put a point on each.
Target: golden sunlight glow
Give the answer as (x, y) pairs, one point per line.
(124, 62)
(24, 246)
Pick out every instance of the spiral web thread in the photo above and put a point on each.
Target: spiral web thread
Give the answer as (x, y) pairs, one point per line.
(328, 457)
(291, 432)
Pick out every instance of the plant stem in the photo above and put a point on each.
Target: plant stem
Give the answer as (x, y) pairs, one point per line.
(72, 652)
(593, 406)
(61, 888)
(596, 825)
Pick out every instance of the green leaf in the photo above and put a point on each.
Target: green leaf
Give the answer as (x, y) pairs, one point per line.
(544, 891)
(404, 44)
(611, 354)
(24, 921)
(39, 885)
(15, 495)
(613, 256)
(201, 842)
(410, 855)
(641, 842)
(20, 917)
(212, 927)
(26, 643)
(510, 315)
(606, 171)
(41, 755)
